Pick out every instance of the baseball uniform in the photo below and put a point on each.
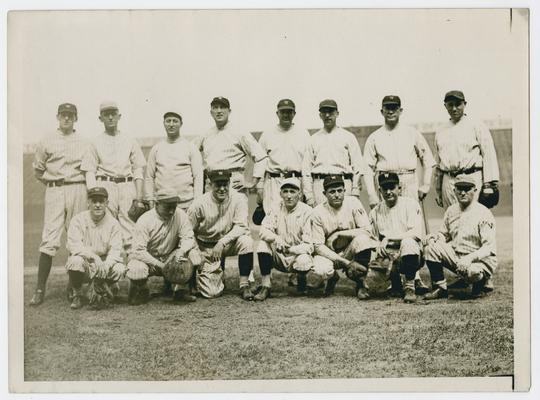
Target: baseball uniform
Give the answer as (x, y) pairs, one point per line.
(175, 164)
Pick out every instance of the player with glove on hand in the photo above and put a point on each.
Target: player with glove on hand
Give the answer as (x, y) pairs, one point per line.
(341, 234)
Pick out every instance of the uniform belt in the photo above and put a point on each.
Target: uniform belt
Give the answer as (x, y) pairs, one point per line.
(455, 172)
(114, 179)
(322, 176)
(399, 171)
(287, 174)
(206, 171)
(61, 182)
(207, 245)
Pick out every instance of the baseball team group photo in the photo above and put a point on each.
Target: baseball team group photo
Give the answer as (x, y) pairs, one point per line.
(304, 234)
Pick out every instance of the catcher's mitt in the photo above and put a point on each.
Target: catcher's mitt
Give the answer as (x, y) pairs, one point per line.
(378, 276)
(99, 294)
(179, 271)
(258, 215)
(489, 195)
(135, 211)
(355, 271)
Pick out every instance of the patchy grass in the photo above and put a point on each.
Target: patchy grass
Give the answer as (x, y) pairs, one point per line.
(284, 337)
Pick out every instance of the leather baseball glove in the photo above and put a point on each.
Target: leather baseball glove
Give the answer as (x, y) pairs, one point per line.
(258, 215)
(99, 294)
(178, 270)
(354, 271)
(135, 211)
(489, 194)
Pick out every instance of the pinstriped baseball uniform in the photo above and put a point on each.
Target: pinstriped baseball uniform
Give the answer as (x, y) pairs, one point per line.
(336, 152)
(58, 157)
(465, 145)
(294, 227)
(398, 150)
(175, 164)
(285, 149)
(154, 239)
(116, 156)
(103, 239)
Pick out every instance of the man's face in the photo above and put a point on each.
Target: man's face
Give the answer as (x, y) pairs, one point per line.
(110, 119)
(97, 207)
(328, 117)
(389, 193)
(220, 189)
(335, 195)
(391, 113)
(220, 113)
(464, 194)
(66, 120)
(455, 109)
(290, 196)
(172, 126)
(285, 117)
(166, 209)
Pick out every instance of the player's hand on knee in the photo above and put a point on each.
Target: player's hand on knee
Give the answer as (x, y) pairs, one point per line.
(422, 195)
(217, 251)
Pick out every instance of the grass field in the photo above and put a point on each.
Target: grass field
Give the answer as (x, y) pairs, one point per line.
(284, 337)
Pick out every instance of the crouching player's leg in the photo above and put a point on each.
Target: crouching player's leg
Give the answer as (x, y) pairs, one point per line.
(359, 250)
(409, 264)
(243, 247)
(138, 273)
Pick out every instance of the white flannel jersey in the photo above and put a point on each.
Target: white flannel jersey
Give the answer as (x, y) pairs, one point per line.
(294, 226)
(174, 164)
(213, 221)
(404, 217)
(58, 156)
(465, 145)
(114, 156)
(103, 239)
(155, 238)
(285, 149)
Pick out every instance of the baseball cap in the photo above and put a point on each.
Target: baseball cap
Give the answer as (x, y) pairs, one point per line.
(167, 195)
(464, 181)
(221, 100)
(387, 177)
(454, 94)
(172, 114)
(328, 103)
(391, 99)
(290, 182)
(333, 180)
(219, 175)
(108, 105)
(286, 104)
(97, 191)
(67, 107)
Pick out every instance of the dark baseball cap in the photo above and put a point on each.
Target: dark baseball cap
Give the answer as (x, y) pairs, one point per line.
(328, 103)
(67, 107)
(172, 114)
(97, 191)
(286, 104)
(454, 94)
(464, 181)
(391, 99)
(221, 100)
(385, 178)
(219, 175)
(333, 180)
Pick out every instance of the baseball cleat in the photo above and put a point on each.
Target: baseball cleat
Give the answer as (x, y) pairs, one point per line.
(331, 284)
(38, 297)
(438, 293)
(263, 294)
(247, 294)
(182, 295)
(76, 303)
(420, 287)
(410, 295)
(478, 289)
(488, 287)
(362, 294)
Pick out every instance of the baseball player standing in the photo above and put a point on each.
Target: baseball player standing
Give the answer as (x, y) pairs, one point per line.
(397, 223)
(465, 243)
(94, 241)
(57, 164)
(285, 145)
(219, 220)
(331, 150)
(162, 232)
(341, 233)
(285, 238)
(116, 163)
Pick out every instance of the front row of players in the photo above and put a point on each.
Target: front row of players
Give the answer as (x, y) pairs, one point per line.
(314, 243)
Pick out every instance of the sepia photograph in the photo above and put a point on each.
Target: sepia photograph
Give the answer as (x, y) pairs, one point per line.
(277, 200)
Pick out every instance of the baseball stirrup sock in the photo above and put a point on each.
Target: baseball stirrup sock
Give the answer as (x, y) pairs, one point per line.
(437, 274)
(245, 263)
(265, 263)
(409, 266)
(76, 279)
(364, 257)
(44, 268)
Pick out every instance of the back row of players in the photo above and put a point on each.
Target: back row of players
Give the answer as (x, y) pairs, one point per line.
(326, 169)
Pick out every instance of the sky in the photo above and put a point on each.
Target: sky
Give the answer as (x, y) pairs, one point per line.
(150, 62)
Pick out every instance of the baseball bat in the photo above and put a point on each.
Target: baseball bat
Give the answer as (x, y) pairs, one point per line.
(426, 225)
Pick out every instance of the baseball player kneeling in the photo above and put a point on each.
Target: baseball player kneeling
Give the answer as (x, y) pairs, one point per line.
(219, 220)
(285, 241)
(94, 241)
(341, 234)
(397, 223)
(465, 243)
(162, 241)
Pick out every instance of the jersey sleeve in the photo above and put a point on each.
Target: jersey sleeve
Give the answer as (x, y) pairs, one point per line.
(185, 233)
(137, 160)
(40, 161)
(150, 175)
(90, 159)
(197, 171)
(116, 244)
(489, 155)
